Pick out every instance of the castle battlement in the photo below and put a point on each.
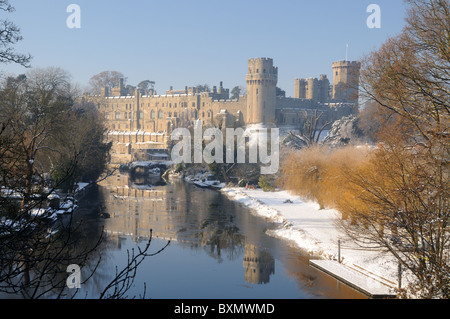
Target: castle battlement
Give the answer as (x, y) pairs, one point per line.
(344, 63)
(120, 97)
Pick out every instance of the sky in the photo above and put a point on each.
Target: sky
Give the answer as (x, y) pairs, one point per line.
(185, 43)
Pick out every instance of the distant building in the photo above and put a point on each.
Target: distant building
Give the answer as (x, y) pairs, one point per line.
(139, 122)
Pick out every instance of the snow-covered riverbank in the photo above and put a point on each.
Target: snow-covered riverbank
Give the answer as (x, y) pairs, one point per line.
(307, 227)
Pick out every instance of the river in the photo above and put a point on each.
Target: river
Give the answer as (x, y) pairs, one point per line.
(218, 248)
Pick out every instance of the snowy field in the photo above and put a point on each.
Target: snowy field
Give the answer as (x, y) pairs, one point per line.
(307, 227)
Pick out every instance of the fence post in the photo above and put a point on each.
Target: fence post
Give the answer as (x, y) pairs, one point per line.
(339, 250)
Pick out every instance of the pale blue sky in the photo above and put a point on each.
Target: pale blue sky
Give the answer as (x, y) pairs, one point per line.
(180, 42)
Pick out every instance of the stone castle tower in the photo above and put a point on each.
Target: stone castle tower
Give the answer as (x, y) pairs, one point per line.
(346, 81)
(313, 89)
(261, 80)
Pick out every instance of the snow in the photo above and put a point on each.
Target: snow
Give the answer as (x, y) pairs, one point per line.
(313, 230)
(38, 211)
(81, 186)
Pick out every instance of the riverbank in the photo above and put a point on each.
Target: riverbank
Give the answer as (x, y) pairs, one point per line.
(312, 230)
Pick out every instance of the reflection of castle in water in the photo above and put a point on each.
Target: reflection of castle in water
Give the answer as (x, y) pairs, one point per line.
(258, 265)
(135, 208)
(182, 213)
(176, 211)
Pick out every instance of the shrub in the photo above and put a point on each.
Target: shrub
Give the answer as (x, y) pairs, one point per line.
(266, 183)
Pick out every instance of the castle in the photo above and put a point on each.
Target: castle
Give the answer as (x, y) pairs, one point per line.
(139, 125)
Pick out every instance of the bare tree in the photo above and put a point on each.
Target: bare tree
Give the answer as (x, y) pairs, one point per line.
(124, 278)
(10, 35)
(109, 79)
(311, 127)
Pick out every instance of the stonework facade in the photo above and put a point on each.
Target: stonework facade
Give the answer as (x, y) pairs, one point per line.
(143, 123)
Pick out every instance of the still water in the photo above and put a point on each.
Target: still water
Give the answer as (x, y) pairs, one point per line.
(218, 248)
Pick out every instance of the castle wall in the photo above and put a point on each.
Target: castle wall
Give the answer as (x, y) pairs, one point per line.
(292, 111)
(141, 122)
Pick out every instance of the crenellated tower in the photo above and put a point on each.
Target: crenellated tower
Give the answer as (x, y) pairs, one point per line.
(346, 81)
(262, 80)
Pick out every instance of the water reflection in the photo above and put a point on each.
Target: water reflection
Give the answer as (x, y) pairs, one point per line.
(258, 265)
(215, 228)
(177, 212)
(218, 248)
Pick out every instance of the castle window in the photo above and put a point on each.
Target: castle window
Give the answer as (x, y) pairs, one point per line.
(117, 115)
(257, 70)
(152, 114)
(106, 115)
(170, 114)
(170, 105)
(175, 105)
(141, 115)
(160, 114)
(257, 91)
(126, 115)
(175, 114)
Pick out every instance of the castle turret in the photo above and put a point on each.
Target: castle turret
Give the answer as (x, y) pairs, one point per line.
(346, 81)
(324, 89)
(262, 80)
(300, 89)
